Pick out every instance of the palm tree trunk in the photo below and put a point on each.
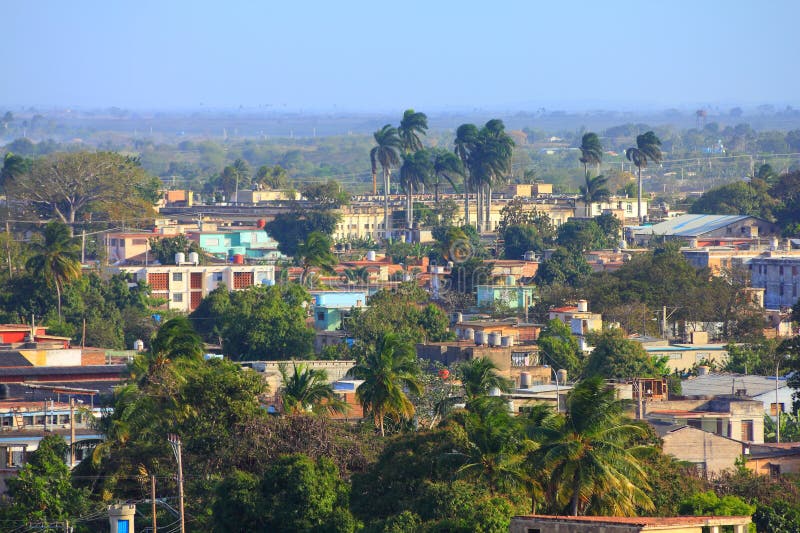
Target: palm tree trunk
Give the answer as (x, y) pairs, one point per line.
(58, 293)
(479, 204)
(386, 231)
(489, 207)
(639, 198)
(374, 184)
(410, 207)
(466, 202)
(436, 193)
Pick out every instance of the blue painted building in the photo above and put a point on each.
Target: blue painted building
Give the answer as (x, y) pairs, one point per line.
(515, 296)
(251, 243)
(330, 307)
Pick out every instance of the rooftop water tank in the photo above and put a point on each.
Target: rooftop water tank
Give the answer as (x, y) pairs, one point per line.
(480, 337)
(507, 341)
(180, 258)
(469, 334)
(371, 255)
(194, 258)
(138, 345)
(494, 339)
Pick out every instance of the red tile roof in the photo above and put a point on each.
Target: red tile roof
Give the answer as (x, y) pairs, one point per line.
(644, 521)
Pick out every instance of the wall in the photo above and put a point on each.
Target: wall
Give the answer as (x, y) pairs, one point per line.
(700, 447)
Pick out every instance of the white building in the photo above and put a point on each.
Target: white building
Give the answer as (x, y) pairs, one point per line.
(185, 286)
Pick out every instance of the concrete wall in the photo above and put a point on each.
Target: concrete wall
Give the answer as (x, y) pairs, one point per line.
(336, 370)
(713, 452)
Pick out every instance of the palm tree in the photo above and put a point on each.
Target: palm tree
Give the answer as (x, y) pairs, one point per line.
(591, 151)
(445, 165)
(479, 376)
(589, 455)
(648, 148)
(412, 126)
(492, 160)
(416, 170)
(177, 338)
(316, 252)
(594, 190)
(466, 140)
(308, 389)
(57, 259)
(388, 370)
(355, 276)
(494, 448)
(387, 154)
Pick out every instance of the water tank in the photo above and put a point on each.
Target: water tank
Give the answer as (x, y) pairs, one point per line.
(194, 258)
(494, 339)
(562, 376)
(583, 306)
(180, 258)
(524, 380)
(238, 259)
(507, 341)
(458, 317)
(469, 334)
(480, 337)
(371, 255)
(261, 223)
(494, 391)
(138, 345)
(530, 255)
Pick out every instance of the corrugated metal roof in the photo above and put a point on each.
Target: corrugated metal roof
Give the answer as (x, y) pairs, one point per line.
(718, 384)
(691, 225)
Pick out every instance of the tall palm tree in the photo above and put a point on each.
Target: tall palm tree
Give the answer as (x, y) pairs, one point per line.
(388, 370)
(445, 165)
(387, 154)
(591, 151)
(316, 252)
(648, 148)
(590, 457)
(416, 170)
(479, 376)
(412, 126)
(594, 190)
(492, 160)
(466, 140)
(57, 259)
(355, 276)
(308, 389)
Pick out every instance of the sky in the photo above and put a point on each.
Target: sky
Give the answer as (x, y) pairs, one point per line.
(433, 55)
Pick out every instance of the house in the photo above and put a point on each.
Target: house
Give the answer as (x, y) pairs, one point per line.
(683, 357)
(251, 243)
(184, 286)
(778, 273)
(331, 307)
(509, 293)
(728, 416)
(758, 388)
(709, 452)
(623, 208)
(616, 524)
(773, 459)
(579, 319)
(690, 227)
(480, 331)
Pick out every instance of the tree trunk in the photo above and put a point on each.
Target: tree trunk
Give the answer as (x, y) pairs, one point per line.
(386, 230)
(639, 198)
(436, 193)
(466, 202)
(573, 502)
(409, 207)
(58, 293)
(374, 184)
(479, 204)
(489, 207)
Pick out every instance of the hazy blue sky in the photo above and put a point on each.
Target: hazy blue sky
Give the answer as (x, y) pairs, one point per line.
(379, 55)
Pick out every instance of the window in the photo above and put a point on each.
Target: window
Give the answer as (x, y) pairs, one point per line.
(63, 419)
(780, 270)
(123, 526)
(177, 276)
(177, 297)
(321, 316)
(218, 276)
(772, 410)
(242, 280)
(113, 242)
(7, 421)
(747, 430)
(534, 530)
(158, 281)
(774, 471)
(38, 420)
(27, 420)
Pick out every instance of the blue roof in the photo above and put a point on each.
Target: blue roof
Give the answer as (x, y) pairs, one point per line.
(691, 225)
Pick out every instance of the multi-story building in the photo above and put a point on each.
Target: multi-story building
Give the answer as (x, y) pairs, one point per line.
(778, 273)
(185, 286)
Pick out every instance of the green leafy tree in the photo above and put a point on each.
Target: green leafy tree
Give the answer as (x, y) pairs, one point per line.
(412, 127)
(57, 259)
(560, 347)
(267, 323)
(647, 150)
(176, 338)
(308, 389)
(66, 186)
(274, 177)
(581, 235)
(594, 190)
(329, 195)
(42, 492)
(563, 267)
(293, 228)
(521, 239)
(616, 357)
(589, 456)
(738, 198)
(709, 504)
(165, 249)
(388, 369)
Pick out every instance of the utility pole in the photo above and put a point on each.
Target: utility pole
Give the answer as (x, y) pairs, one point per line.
(83, 246)
(8, 246)
(175, 443)
(153, 500)
(71, 432)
